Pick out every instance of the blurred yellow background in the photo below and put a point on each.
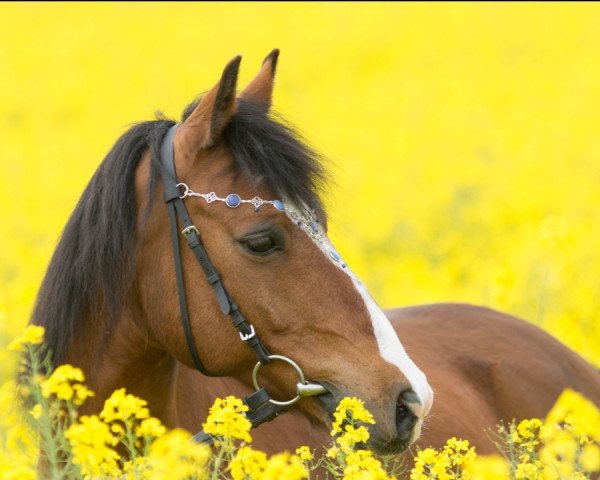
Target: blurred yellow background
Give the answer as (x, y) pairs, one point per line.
(464, 139)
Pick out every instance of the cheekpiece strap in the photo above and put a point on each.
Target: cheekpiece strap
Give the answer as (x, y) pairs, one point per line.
(168, 175)
(173, 198)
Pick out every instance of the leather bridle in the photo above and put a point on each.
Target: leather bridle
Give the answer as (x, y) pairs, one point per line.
(262, 407)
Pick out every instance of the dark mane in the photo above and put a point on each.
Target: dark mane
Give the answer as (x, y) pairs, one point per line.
(91, 270)
(92, 264)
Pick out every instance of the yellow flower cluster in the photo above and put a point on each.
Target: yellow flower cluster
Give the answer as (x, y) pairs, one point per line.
(347, 461)
(17, 446)
(250, 464)
(304, 453)
(175, 456)
(571, 437)
(350, 409)
(526, 435)
(125, 442)
(66, 383)
(489, 467)
(361, 465)
(92, 446)
(247, 463)
(124, 407)
(566, 445)
(124, 420)
(33, 335)
(283, 465)
(451, 463)
(226, 420)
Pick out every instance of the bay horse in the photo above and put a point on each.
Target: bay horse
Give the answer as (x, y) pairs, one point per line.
(128, 302)
(246, 189)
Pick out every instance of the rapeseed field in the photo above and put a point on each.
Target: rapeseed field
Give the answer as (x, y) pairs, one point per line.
(463, 139)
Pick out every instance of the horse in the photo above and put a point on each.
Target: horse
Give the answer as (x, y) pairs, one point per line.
(126, 300)
(201, 247)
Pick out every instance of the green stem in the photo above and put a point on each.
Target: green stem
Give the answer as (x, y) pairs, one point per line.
(45, 426)
(130, 440)
(218, 461)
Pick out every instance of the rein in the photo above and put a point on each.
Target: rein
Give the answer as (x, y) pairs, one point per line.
(262, 408)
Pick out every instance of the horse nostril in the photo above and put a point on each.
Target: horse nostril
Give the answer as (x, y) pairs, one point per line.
(409, 396)
(405, 418)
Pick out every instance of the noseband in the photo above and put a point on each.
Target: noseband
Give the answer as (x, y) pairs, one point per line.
(262, 407)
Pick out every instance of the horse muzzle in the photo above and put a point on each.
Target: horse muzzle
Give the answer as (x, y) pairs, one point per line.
(389, 435)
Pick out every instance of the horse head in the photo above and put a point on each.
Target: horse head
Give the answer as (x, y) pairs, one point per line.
(250, 189)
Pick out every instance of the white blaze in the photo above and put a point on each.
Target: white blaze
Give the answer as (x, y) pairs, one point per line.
(390, 348)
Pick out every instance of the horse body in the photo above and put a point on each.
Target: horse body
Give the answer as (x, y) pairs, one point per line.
(485, 368)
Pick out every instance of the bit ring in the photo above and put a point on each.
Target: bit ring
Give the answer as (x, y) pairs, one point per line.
(290, 362)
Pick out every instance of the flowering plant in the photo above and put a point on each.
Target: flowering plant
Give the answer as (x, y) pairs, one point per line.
(123, 441)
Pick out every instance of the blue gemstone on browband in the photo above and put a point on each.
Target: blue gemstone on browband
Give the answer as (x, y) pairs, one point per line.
(278, 204)
(335, 255)
(233, 200)
(313, 226)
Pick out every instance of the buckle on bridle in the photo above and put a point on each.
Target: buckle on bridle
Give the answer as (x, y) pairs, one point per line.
(190, 229)
(248, 336)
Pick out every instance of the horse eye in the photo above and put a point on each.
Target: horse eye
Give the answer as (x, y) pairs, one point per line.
(260, 245)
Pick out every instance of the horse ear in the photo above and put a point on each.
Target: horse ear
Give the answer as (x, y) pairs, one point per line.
(260, 89)
(212, 114)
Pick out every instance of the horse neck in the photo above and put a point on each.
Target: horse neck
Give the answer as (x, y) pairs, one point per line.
(118, 354)
(122, 357)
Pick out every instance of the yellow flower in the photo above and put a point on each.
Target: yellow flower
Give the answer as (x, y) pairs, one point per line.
(332, 452)
(226, 419)
(459, 453)
(360, 464)
(124, 407)
(424, 460)
(175, 456)
(36, 411)
(490, 467)
(571, 437)
(304, 453)
(356, 435)
(33, 335)
(18, 472)
(117, 429)
(456, 458)
(284, 466)
(350, 409)
(20, 442)
(561, 446)
(590, 458)
(82, 393)
(91, 445)
(582, 416)
(345, 443)
(150, 427)
(528, 471)
(247, 463)
(526, 435)
(65, 383)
